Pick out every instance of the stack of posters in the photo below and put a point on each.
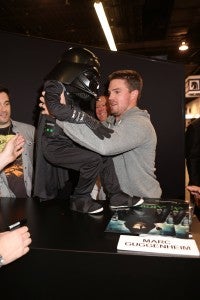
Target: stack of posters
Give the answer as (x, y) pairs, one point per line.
(154, 216)
(157, 226)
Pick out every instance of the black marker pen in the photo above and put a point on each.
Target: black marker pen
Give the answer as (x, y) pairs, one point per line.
(17, 224)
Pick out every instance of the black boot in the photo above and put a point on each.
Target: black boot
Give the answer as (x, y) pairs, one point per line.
(85, 204)
(122, 201)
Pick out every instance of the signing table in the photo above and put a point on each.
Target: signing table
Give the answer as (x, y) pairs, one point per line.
(72, 257)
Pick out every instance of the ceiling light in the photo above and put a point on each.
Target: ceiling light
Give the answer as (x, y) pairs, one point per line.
(104, 24)
(183, 46)
(192, 116)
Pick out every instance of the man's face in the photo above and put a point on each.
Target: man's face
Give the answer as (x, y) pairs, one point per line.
(120, 98)
(102, 108)
(5, 110)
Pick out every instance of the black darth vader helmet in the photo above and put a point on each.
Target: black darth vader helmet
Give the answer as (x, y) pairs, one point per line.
(79, 69)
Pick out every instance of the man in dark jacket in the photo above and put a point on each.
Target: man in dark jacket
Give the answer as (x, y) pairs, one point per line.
(192, 151)
(192, 156)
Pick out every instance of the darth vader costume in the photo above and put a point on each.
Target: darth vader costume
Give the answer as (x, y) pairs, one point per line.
(76, 76)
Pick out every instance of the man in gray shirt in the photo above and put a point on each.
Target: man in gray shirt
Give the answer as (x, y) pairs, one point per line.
(16, 178)
(133, 142)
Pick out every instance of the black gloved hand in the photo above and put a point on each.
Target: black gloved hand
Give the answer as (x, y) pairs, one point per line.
(80, 117)
(53, 90)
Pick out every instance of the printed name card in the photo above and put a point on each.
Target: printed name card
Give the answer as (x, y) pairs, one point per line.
(158, 245)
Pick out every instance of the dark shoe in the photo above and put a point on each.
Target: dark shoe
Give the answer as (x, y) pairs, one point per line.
(85, 205)
(123, 201)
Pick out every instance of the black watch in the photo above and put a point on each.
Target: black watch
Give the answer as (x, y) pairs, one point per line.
(1, 261)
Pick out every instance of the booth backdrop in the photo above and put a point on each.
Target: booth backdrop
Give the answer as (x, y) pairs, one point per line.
(25, 61)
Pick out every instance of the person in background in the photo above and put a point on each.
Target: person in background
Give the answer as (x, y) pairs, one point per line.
(194, 190)
(133, 142)
(16, 178)
(192, 152)
(194, 205)
(192, 156)
(102, 108)
(102, 112)
(13, 244)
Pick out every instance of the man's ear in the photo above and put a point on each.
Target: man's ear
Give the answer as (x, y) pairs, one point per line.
(134, 95)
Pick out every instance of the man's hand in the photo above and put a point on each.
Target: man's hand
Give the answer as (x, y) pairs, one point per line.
(42, 105)
(14, 244)
(13, 149)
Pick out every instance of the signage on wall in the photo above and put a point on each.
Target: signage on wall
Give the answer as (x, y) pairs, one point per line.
(192, 86)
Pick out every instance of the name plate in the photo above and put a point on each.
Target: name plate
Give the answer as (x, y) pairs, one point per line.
(158, 245)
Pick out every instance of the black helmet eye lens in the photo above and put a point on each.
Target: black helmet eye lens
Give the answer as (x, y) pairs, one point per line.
(91, 80)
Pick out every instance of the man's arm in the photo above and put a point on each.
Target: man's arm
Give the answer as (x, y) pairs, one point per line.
(124, 138)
